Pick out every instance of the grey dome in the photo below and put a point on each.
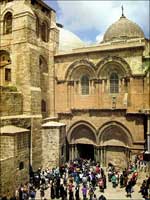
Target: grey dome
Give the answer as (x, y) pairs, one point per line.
(123, 29)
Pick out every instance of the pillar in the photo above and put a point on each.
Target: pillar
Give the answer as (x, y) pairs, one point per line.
(101, 156)
(65, 149)
(69, 152)
(75, 151)
(96, 153)
(72, 152)
(104, 156)
(103, 85)
(148, 134)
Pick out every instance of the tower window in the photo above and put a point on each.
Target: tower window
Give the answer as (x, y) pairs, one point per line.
(8, 23)
(44, 32)
(37, 27)
(114, 83)
(21, 165)
(43, 105)
(7, 74)
(85, 85)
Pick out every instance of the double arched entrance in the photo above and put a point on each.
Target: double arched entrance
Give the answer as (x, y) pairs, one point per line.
(110, 144)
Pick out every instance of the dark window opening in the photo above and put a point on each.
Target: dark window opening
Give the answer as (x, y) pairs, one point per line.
(8, 23)
(37, 27)
(114, 83)
(85, 85)
(21, 165)
(7, 74)
(44, 32)
(43, 106)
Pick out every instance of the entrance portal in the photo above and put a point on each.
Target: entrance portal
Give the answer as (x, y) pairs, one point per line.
(85, 151)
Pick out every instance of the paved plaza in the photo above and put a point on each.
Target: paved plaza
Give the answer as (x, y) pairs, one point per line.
(111, 193)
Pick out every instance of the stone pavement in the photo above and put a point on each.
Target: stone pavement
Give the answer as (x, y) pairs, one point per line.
(111, 193)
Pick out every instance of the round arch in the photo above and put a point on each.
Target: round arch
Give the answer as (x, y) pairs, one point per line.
(82, 132)
(114, 133)
(85, 64)
(118, 64)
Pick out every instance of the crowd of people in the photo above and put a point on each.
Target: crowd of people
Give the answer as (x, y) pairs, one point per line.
(79, 179)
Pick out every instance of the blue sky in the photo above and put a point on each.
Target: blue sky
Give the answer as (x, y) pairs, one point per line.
(90, 19)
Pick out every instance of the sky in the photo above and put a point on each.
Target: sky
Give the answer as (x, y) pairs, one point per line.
(90, 19)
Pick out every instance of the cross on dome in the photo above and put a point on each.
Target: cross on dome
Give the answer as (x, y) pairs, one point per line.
(122, 11)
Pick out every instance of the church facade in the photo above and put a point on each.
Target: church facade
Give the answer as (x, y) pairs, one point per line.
(62, 99)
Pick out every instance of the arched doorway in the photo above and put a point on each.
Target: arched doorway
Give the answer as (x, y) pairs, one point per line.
(82, 141)
(115, 142)
(85, 151)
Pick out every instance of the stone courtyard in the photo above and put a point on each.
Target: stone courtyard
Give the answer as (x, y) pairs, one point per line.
(111, 193)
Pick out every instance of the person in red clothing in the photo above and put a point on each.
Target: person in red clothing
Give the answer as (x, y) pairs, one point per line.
(101, 185)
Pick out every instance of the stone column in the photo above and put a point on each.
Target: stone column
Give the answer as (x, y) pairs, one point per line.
(103, 85)
(148, 133)
(98, 154)
(95, 153)
(64, 152)
(70, 152)
(104, 156)
(75, 150)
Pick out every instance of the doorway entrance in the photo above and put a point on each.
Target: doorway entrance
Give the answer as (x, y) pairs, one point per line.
(85, 151)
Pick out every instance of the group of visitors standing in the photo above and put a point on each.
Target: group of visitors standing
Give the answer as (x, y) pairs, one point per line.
(81, 178)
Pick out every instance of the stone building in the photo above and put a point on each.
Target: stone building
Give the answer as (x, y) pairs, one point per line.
(68, 97)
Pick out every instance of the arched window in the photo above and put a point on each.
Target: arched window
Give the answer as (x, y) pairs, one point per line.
(114, 83)
(84, 85)
(43, 105)
(44, 32)
(8, 23)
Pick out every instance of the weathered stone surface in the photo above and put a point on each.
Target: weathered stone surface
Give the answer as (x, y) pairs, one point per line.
(113, 123)
(11, 103)
(14, 150)
(53, 139)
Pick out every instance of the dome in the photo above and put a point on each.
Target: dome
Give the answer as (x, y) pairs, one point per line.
(68, 40)
(123, 29)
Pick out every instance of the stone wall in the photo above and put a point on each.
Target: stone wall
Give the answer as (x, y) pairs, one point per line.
(7, 177)
(53, 139)
(10, 103)
(36, 142)
(14, 150)
(22, 156)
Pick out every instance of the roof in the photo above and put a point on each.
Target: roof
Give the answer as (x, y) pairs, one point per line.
(53, 124)
(123, 29)
(11, 129)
